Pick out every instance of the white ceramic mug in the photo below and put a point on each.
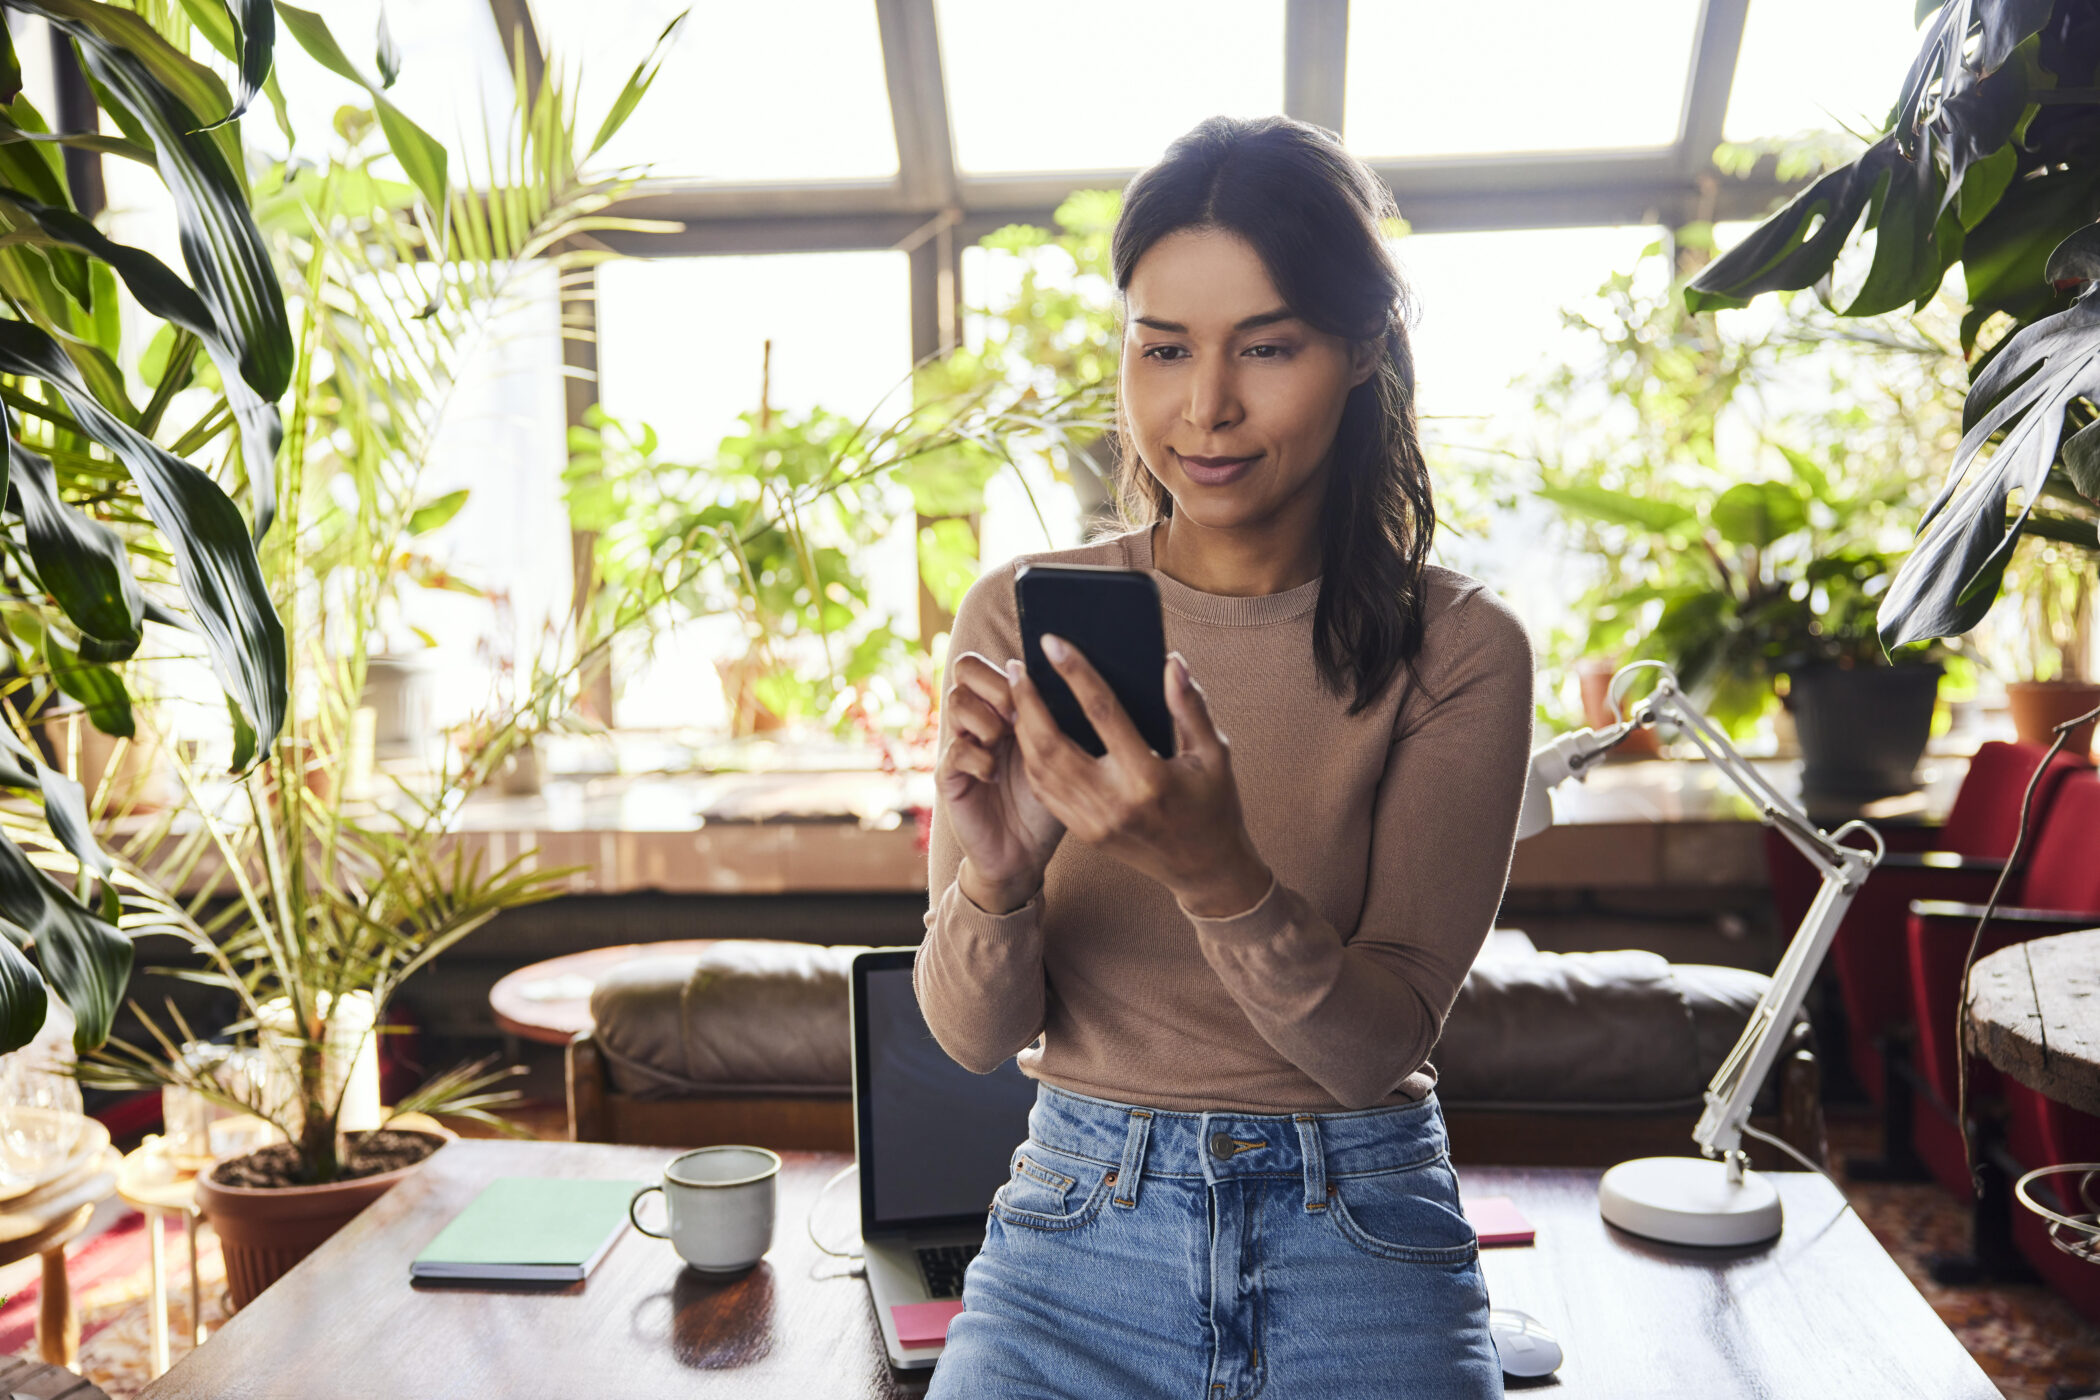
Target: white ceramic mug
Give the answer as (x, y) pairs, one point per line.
(720, 1202)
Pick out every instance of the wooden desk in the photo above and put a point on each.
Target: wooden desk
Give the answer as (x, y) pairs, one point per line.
(1825, 1311)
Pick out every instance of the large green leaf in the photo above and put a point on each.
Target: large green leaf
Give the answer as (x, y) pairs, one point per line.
(10, 66)
(1796, 246)
(86, 961)
(1756, 513)
(1950, 579)
(161, 90)
(1621, 508)
(82, 563)
(167, 296)
(23, 1002)
(97, 687)
(213, 554)
(191, 86)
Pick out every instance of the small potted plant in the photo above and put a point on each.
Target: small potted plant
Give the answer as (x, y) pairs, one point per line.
(2044, 644)
(1758, 589)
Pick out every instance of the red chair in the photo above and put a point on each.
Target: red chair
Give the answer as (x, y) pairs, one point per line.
(2058, 891)
(2040, 1132)
(1970, 851)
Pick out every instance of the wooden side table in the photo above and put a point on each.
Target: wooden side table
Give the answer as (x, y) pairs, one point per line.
(2034, 1012)
(550, 1001)
(153, 1185)
(44, 1217)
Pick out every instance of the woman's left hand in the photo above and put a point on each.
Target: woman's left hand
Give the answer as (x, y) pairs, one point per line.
(1175, 819)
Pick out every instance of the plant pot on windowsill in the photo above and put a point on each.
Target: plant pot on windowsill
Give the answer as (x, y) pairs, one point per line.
(2039, 706)
(1862, 729)
(1594, 676)
(266, 1223)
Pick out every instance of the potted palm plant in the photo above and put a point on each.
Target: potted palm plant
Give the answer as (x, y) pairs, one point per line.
(305, 908)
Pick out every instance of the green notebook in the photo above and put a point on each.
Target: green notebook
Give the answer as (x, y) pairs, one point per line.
(527, 1229)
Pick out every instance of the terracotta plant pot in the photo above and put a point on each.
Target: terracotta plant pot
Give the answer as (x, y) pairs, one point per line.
(1595, 679)
(263, 1232)
(2039, 706)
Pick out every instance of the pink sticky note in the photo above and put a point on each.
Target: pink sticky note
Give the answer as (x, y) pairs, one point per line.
(923, 1324)
(1497, 1220)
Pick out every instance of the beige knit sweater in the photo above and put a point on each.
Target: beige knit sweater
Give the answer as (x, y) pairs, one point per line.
(1389, 834)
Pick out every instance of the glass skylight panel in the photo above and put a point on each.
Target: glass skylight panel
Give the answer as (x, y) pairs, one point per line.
(1101, 84)
(1429, 79)
(1819, 65)
(784, 90)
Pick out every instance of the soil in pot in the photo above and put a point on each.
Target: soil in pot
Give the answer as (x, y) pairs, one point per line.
(2039, 706)
(276, 1166)
(266, 1223)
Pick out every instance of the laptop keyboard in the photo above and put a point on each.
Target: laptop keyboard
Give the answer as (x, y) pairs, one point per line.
(942, 1267)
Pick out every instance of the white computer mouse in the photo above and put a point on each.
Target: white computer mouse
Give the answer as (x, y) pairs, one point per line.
(1526, 1348)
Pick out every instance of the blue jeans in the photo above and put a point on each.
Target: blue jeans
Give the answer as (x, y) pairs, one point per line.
(1214, 1256)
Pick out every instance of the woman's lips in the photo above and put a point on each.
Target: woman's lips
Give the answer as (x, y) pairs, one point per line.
(1216, 471)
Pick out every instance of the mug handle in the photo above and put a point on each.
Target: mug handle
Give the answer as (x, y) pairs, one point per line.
(634, 1212)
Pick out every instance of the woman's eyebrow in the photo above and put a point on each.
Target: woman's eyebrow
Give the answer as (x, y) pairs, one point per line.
(1266, 318)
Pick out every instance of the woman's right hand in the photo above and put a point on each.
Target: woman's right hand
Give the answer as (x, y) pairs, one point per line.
(1006, 835)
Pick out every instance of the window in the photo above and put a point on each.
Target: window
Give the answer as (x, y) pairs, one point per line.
(682, 347)
(785, 90)
(1101, 84)
(1527, 75)
(1818, 65)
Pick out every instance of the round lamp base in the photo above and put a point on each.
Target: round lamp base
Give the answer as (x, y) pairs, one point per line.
(1689, 1200)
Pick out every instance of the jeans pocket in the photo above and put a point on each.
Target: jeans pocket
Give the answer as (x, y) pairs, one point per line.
(1409, 1213)
(1051, 1190)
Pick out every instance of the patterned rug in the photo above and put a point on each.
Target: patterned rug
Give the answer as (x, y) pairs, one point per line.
(2025, 1337)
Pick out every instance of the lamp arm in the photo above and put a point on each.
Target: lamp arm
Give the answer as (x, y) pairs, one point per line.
(1845, 869)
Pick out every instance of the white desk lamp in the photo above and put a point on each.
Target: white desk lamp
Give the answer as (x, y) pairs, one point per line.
(1695, 1200)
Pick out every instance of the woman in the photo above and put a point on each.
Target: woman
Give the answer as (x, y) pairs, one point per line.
(1236, 959)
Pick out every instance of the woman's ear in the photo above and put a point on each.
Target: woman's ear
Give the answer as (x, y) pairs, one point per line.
(1363, 360)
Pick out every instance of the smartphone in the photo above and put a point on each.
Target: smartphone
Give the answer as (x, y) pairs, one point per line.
(1112, 616)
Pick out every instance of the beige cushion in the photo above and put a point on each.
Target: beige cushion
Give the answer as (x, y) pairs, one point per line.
(1554, 1032)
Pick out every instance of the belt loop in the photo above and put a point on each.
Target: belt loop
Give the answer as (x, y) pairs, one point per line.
(1133, 1164)
(1315, 1161)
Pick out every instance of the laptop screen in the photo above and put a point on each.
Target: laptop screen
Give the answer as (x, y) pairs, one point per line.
(934, 1139)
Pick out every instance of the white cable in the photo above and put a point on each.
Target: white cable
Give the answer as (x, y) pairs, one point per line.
(810, 1221)
(1789, 1148)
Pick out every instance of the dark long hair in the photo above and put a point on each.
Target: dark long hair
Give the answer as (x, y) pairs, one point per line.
(1316, 216)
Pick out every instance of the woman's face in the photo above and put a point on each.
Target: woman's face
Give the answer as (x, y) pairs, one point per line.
(1232, 400)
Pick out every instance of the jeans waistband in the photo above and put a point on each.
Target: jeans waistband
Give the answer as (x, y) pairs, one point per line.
(1225, 1143)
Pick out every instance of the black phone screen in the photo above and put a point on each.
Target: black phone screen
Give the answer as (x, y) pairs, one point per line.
(1112, 616)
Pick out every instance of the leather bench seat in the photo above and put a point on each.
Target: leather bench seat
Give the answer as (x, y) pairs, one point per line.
(1602, 1032)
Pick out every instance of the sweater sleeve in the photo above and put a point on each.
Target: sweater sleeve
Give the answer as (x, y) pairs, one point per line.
(1360, 1010)
(979, 976)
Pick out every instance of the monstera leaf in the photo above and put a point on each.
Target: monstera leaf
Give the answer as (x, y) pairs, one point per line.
(1951, 577)
(1984, 164)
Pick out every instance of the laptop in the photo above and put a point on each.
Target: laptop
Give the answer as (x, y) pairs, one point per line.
(933, 1142)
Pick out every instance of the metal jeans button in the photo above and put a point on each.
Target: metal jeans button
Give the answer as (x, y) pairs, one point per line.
(1221, 1145)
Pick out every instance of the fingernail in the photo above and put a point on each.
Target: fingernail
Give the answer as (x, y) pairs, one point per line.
(1013, 669)
(1181, 666)
(1054, 647)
